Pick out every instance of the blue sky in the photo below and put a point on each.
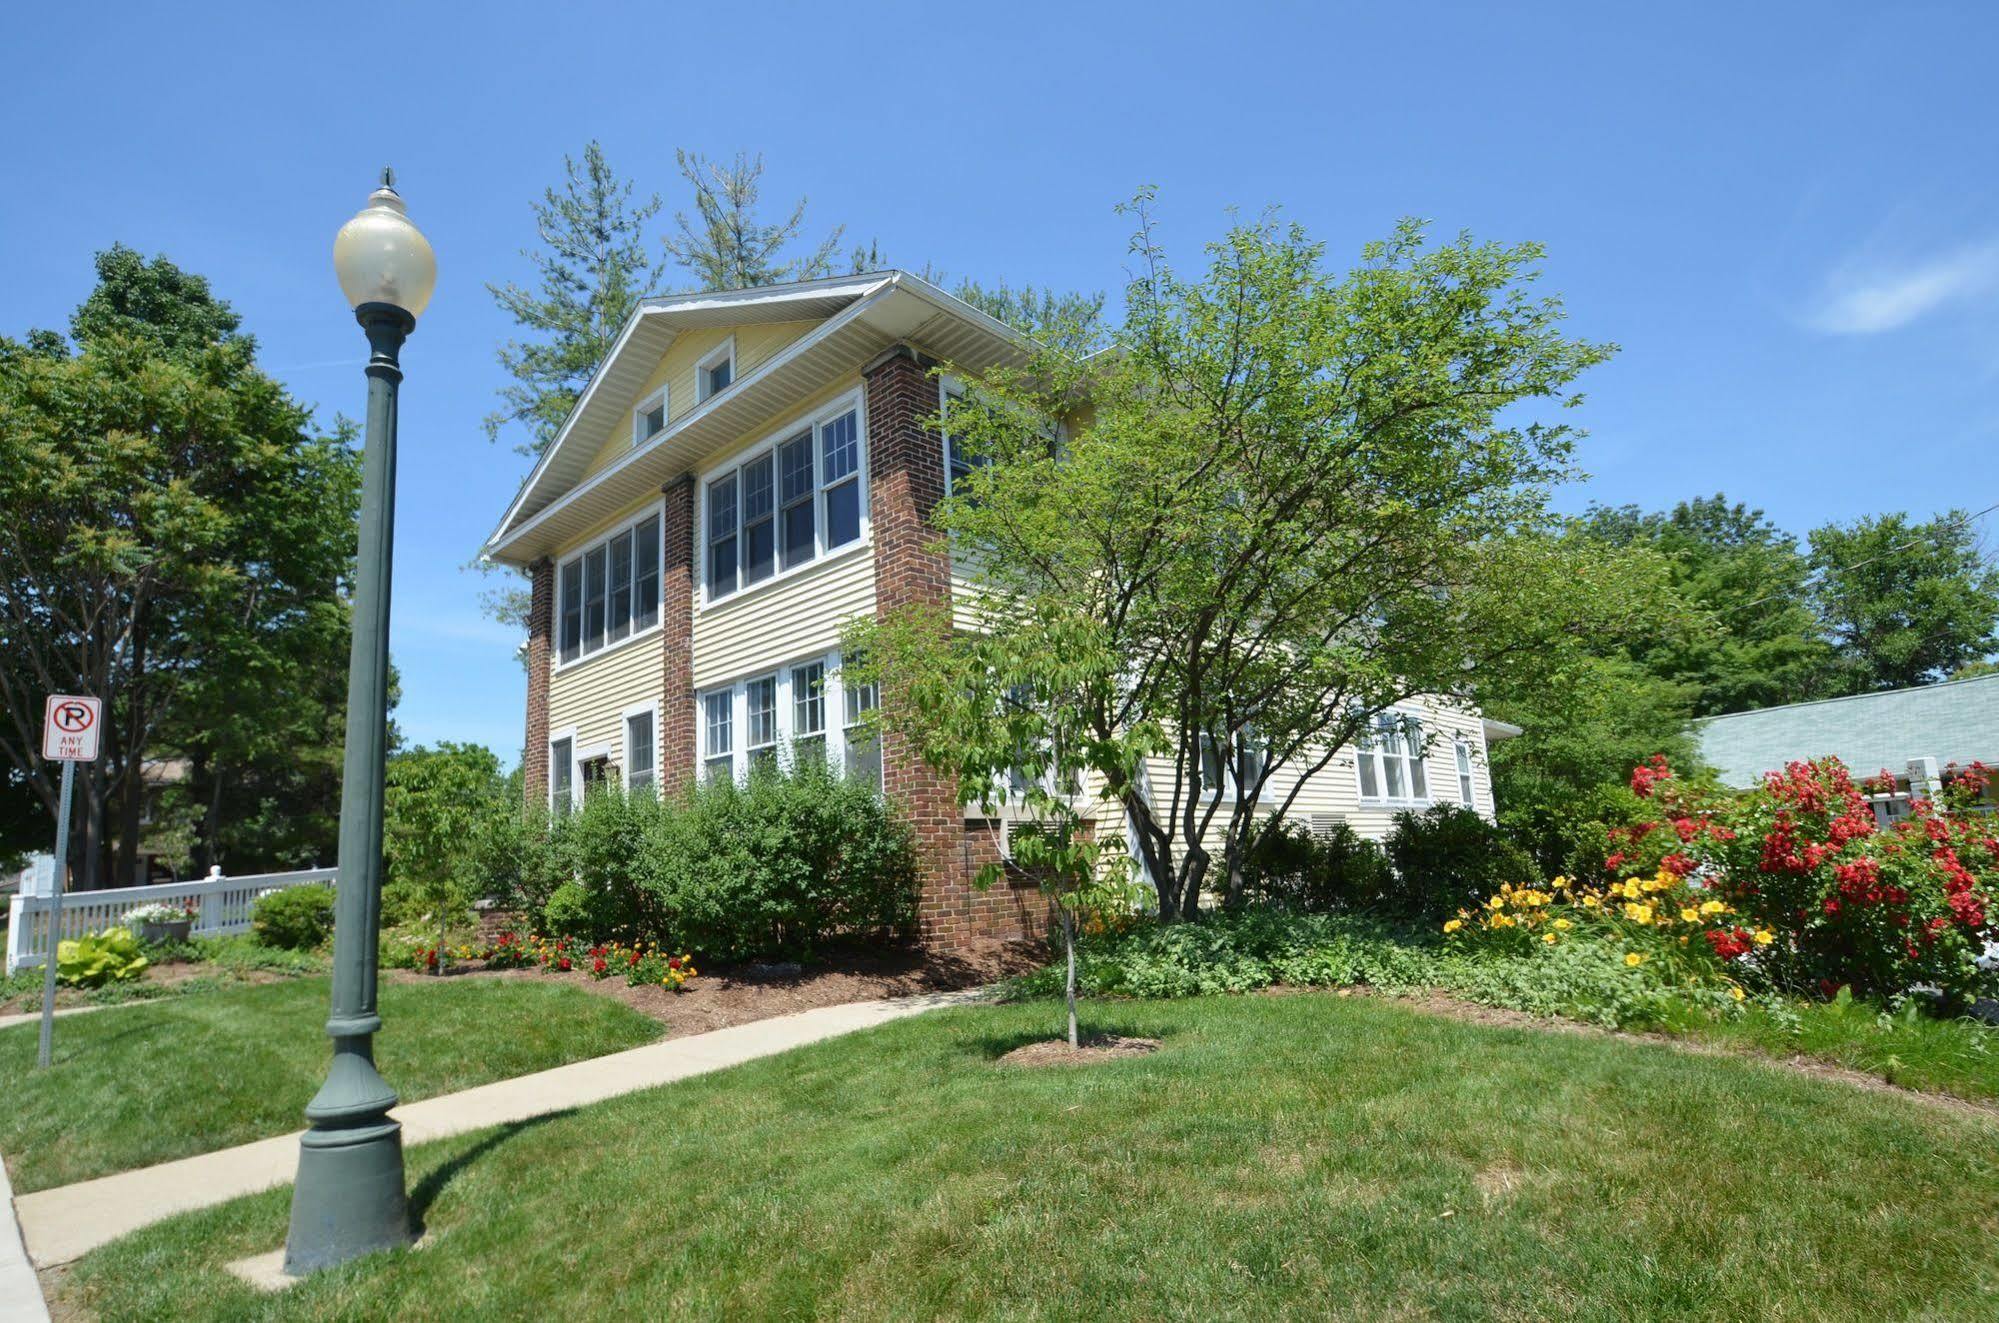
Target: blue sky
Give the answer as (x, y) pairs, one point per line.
(1786, 214)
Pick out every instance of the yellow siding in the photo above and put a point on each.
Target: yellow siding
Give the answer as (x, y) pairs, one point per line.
(591, 695)
(755, 345)
(796, 616)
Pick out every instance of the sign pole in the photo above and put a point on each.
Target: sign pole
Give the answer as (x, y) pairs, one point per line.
(55, 917)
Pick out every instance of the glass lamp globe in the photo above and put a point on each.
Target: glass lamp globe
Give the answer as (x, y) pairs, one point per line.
(381, 257)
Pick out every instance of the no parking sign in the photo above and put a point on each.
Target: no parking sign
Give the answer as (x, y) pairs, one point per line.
(70, 725)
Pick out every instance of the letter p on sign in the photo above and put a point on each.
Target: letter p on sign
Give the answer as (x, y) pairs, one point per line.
(70, 723)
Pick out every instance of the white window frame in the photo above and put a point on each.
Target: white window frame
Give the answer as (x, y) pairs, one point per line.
(822, 554)
(949, 388)
(1381, 798)
(708, 755)
(556, 737)
(650, 711)
(639, 435)
(1467, 786)
(724, 352)
(604, 541)
(834, 731)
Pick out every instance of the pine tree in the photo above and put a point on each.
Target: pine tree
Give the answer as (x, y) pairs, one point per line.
(593, 269)
(729, 248)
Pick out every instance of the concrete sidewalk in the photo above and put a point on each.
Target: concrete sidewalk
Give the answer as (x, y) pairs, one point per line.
(66, 1223)
(20, 1290)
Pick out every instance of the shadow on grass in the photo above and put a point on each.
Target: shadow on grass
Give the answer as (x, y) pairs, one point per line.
(427, 1190)
(1094, 1029)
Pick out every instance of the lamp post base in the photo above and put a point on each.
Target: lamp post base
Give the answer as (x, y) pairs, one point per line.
(349, 1198)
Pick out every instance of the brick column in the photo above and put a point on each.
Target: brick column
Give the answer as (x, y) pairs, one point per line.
(677, 748)
(541, 625)
(905, 483)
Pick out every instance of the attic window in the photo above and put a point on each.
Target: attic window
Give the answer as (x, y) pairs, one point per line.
(713, 373)
(649, 419)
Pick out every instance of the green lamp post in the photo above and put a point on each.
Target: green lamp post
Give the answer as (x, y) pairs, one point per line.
(349, 1199)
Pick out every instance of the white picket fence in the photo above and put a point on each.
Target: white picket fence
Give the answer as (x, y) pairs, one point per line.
(223, 906)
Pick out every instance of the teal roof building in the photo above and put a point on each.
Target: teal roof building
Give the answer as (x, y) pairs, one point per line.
(1953, 722)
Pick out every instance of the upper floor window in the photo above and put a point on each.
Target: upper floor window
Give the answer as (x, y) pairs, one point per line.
(958, 462)
(1390, 755)
(1464, 772)
(609, 591)
(786, 504)
(649, 419)
(715, 371)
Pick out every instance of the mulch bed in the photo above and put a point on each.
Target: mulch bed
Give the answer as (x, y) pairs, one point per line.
(1097, 1047)
(726, 995)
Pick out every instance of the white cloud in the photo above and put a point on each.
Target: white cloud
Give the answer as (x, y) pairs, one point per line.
(1866, 297)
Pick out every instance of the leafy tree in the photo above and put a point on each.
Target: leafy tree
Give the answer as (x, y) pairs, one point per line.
(1904, 603)
(174, 527)
(1286, 501)
(439, 807)
(1073, 322)
(1752, 639)
(591, 271)
(727, 246)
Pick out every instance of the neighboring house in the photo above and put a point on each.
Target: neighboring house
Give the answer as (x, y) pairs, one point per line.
(1918, 737)
(745, 472)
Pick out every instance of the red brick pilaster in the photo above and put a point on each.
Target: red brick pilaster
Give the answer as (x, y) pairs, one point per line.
(677, 748)
(541, 625)
(905, 483)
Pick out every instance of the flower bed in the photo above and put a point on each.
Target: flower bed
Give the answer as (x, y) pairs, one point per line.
(640, 964)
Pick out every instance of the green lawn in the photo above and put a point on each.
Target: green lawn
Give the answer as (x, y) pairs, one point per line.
(1303, 1156)
(142, 1084)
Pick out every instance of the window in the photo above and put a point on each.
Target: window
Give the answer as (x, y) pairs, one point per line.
(808, 711)
(639, 769)
(610, 591)
(649, 419)
(787, 720)
(787, 504)
(561, 775)
(714, 372)
(762, 717)
(719, 743)
(1390, 756)
(1464, 773)
(596, 771)
(863, 747)
(957, 463)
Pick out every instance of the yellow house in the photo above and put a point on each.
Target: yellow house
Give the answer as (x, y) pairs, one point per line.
(745, 472)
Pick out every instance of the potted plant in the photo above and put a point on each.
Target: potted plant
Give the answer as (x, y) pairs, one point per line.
(164, 920)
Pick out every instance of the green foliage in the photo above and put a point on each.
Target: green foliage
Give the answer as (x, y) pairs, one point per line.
(1447, 858)
(177, 531)
(568, 911)
(446, 816)
(294, 918)
(595, 268)
(728, 246)
(239, 954)
(1317, 873)
(1905, 603)
(112, 956)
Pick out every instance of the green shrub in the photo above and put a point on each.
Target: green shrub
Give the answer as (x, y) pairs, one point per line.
(1317, 873)
(112, 956)
(1449, 858)
(777, 866)
(567, 911)
(293, 919)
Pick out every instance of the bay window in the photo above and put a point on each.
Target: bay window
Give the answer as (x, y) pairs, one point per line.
(786, 504)
(609, 592)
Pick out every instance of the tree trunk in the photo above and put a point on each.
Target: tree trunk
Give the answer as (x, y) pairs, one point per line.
(1069, 984)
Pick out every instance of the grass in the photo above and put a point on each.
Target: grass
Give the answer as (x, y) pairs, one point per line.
(1915, 1051)
(1304, 1156)
(144, 1084)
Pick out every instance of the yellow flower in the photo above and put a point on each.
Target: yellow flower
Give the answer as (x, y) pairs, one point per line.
(1712, 907)
(1735, 992)
(1638, 914)
(1592, 901)
(1497, 902)
(1689, 915)
(1633, 959)
(1453, 925)
(1764, 937)
(1564, 924)
(1549, 938)
(1560, 884)
(1502, 921)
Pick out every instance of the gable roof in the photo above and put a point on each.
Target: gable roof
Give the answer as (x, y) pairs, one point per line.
(859, 317)
(1955, 721)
